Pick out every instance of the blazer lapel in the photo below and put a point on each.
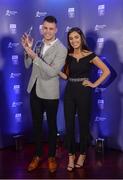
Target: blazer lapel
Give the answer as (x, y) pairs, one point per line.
(39, 47)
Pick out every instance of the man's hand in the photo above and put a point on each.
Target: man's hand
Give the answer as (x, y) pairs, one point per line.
(30, 53)
(27, 41)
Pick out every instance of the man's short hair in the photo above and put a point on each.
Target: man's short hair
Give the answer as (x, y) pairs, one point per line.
(50, 19)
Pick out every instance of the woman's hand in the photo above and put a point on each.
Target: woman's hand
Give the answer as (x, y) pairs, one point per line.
(88, 83)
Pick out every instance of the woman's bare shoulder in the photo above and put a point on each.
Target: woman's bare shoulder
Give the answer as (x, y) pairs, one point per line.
(86, 52)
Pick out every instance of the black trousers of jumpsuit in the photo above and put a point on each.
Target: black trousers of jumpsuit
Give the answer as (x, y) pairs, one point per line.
(77, 99)
(38, 106)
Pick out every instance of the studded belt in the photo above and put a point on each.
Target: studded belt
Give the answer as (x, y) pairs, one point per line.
(77, 79)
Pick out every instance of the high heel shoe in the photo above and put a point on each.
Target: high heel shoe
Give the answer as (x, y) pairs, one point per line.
(80, 161)
(70, 166)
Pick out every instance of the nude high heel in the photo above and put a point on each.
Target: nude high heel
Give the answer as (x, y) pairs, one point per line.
(71, 166)
(80, 161)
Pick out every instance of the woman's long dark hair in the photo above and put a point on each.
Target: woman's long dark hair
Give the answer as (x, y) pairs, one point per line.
(84, 45)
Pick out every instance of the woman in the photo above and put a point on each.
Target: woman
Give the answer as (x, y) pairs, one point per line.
(77, 97)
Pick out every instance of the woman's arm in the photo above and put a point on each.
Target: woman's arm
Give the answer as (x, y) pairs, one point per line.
(63, 75)
(105, 73)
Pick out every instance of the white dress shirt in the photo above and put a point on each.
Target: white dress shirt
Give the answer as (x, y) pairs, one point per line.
(47, 46)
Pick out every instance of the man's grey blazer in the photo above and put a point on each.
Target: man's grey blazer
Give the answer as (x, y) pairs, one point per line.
(45, 70)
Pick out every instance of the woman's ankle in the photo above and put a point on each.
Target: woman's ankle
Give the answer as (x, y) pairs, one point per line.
(82, 155)
(71, 159)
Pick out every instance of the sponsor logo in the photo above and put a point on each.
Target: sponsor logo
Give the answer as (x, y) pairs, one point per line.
(40, 14)
(15, 60)
(13, 45)
(98, 90)
(101, 10)
(45, 116)
(15, 75)
(40, 28)
(99, 27)
(16, 89)
(98, 118)
(10, 13)
(16, 104)
(71, 12)
(100, 42)
(13, 28)
(101, 104)
(99, 72)
(67, 29)
(18, 117)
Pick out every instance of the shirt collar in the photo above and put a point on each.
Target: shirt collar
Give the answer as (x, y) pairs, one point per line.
(51, 43)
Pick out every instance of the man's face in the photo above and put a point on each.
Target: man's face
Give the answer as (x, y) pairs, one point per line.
(49, 30)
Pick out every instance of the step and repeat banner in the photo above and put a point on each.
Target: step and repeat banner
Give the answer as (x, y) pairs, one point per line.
(103, 29)
(16, 18)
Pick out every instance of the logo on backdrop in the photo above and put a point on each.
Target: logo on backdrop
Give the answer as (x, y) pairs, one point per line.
(10, 13)
(101, 10)
(101, 104)
(99, 72)
(15, 75)
(13, 28)
(99, 27)
(44, 116)
(100, 42)
(99, 90)
(13, 45)
(40, 14)
(18, 117)
(99, 118)
(16, 104)
(16, 89)
(67, 29)
(15, 60)
(71, 12)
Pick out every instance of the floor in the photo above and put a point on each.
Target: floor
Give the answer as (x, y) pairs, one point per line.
(103, 165)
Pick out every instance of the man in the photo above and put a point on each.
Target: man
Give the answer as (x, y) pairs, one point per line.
(47, 59)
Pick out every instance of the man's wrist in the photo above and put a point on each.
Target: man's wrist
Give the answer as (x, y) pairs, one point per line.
(25, 54)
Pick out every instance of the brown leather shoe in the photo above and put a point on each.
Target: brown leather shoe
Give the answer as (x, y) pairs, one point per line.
(34, 163)
(52, 165)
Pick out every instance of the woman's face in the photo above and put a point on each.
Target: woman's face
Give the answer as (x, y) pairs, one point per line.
(75, 40)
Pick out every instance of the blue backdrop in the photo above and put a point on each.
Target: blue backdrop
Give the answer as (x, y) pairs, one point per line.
(103, 28)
